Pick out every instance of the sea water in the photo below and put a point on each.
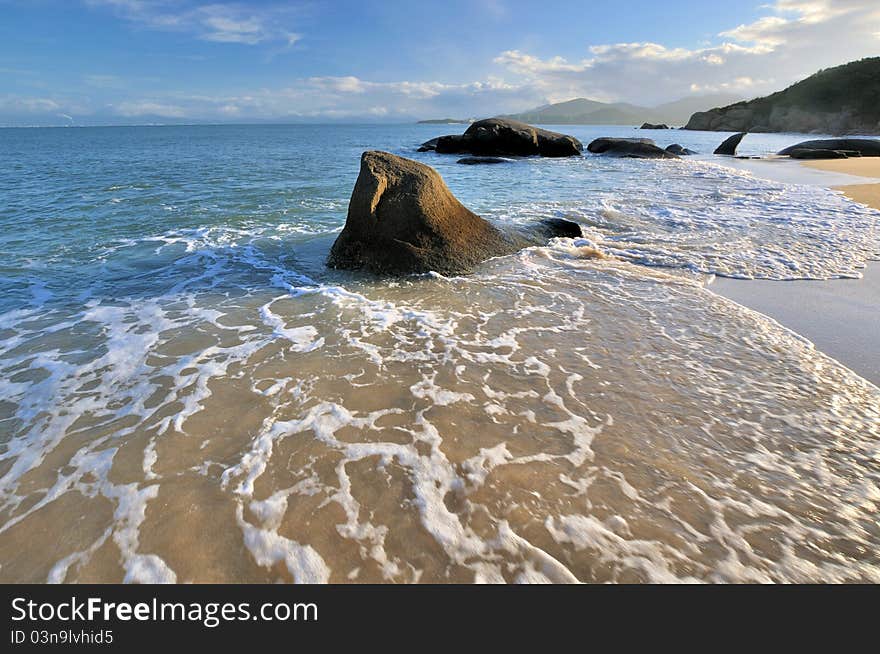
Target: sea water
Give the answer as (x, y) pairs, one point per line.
(188, 394)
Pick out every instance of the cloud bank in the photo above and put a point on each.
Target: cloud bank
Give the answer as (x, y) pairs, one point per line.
(793, 40)
(797, 39)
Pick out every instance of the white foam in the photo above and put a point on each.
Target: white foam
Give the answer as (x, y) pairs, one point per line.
(303, 339)
(650, 558)
(268, 548)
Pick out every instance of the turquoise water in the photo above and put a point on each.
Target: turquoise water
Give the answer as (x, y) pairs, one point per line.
(188, 394)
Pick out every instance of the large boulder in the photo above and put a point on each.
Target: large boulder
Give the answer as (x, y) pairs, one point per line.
(633, 148)
(865, 147)
(501, 136)
(654, 126)
(402, 218)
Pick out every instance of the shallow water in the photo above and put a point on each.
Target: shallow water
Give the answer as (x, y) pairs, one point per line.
(187, 394)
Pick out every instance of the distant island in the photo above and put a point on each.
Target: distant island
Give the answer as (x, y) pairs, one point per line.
(583, 111)
(446, 121)
(840, 100)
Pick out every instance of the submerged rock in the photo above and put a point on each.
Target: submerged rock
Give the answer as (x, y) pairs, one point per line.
(679, 150)
(429, 146)
(633, 148)
(730, 144)
(476, 161)
(501, 136)
(402, 218)
(864, 147)
(560, 227)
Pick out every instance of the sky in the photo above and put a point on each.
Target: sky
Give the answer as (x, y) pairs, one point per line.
(145, 61)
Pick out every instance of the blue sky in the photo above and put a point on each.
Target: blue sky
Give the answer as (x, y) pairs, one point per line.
(94, 61)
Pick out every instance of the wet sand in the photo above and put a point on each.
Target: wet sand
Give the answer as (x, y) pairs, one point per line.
(842, 316)
(868, 194)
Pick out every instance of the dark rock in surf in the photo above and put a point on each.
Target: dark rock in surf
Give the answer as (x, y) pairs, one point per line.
(500, 136)
(679, 150)
(632, 148)
(560, 228)
(429, 146)
(730, 144)
(865, 147)
(654, 126)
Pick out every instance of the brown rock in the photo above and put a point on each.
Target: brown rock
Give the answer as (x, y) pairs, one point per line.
(402, 218)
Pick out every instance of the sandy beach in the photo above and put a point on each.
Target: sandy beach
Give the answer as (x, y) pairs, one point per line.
(860, 166)
(868, 194)
(842, 316)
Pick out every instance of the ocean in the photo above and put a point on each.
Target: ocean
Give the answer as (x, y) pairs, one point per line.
(187, 394)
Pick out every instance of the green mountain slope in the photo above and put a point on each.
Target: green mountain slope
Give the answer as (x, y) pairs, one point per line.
(840, 100)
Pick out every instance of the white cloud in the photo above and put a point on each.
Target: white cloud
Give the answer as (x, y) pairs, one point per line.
(347, 84)
(526, 64)
(15, 104)
(349, 96)
(217, 22)
(229, 30)
(148, 108)
(27, 110)
(797, 38)
(740, 85)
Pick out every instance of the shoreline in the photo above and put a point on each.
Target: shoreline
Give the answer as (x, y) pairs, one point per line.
(841, 317)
